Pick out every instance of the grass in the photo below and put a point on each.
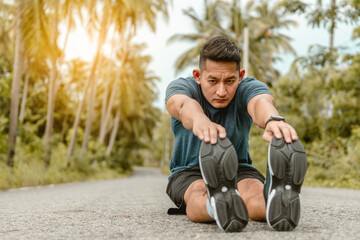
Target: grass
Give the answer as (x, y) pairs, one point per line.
(29, 169)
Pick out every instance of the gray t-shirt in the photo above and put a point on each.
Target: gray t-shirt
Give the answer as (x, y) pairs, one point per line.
(234, 118)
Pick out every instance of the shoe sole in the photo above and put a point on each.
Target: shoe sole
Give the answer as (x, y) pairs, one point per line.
(218, 165)
(287, 167)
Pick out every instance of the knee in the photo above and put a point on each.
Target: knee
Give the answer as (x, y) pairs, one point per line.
(198, 185)
(250, 188)
(256, 207)
(194, 189)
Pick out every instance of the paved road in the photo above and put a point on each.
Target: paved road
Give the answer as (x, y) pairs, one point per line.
(135, 208)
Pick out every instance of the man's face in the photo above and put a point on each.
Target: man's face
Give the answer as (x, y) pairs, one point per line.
(219, 81)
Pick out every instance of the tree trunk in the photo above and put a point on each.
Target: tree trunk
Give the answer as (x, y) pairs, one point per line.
(106, 93)
(92, 81)
(246, 50)
(109, 107)
(104, 104)
(24, 98)
(113, 133)
(51, 95)
(331, 50)
(61, 59)
(15, 86)
(76, 124)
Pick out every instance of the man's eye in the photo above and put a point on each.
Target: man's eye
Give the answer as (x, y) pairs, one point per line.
(212, 80)
(230, 81)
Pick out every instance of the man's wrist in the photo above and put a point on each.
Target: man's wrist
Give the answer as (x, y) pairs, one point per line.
(275, 118)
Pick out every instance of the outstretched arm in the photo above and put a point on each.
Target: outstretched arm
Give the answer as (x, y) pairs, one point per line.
(260, 108)
(189, 112)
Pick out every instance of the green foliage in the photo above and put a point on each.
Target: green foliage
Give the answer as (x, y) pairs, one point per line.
(126, 71)
(335, 162)
(163, 142)
(331, 137)
(331, 162)
(29, 171)
(320, 96)
(126, 154)
(293, 6)
(258, 149)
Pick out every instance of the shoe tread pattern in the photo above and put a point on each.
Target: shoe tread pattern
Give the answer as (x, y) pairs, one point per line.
(289, 165)
(218, 164)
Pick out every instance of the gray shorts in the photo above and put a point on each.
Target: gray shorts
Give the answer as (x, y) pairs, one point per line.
(179, 183)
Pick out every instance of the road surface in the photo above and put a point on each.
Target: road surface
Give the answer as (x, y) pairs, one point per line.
(135, 208)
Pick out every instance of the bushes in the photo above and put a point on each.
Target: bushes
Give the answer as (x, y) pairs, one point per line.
(331, 162)
(335, 162)
(30, 170)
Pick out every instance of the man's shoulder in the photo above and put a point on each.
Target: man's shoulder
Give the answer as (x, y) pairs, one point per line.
(250, 84)
(249, 80)
(186, 80)
(186, 86)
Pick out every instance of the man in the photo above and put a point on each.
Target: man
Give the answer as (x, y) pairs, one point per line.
(212, 177)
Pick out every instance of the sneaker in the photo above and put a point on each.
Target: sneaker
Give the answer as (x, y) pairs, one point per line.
(287, 165)
(218, 165)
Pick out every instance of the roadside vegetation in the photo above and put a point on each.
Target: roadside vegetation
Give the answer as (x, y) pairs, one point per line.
(74, 120)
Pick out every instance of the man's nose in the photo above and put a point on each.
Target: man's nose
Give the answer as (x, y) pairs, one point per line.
(221, 91)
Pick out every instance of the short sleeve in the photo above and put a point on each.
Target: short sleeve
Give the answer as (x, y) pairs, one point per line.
(186, 86)
(249, 88)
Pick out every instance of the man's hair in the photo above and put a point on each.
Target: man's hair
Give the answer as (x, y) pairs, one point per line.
(219, 49)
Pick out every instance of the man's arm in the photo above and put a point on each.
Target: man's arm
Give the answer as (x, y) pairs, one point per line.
(189, 112)
(260, 108)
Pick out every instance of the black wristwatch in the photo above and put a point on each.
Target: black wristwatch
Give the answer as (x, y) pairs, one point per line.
(276, 118)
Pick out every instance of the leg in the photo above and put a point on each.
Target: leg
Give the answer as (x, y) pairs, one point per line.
(251, 191)
(195, 199)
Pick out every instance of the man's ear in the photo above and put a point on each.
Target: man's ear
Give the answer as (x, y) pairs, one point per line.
(196, 74)
(241, 74)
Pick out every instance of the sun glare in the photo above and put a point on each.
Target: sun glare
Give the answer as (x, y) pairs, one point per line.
(80, 45)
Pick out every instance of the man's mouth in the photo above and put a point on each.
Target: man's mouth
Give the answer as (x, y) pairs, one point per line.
(221, 100)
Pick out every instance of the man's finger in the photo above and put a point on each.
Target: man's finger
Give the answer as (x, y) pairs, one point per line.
(213, 135)
(294, 135)
(206, 135)
(287, 135)
(267, 136)
(222, 132)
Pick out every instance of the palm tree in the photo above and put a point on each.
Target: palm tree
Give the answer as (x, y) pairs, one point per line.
(77, 72)
(6, 26)
(33, 41)
(206, 26)
(15, 87)
(120, 13)
(264, 37)
(330, 17)
(271, 20)
(25, 92)
(53, 75)
(137, 86)
(68, 8)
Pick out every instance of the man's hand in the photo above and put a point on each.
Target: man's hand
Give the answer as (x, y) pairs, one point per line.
(207, 131)
(192, 116)
(279, 129)
(260, 108)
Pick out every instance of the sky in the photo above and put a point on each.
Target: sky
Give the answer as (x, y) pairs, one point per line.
(164, 55)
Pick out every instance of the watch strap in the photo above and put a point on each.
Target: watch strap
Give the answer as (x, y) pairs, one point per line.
(276, 118)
